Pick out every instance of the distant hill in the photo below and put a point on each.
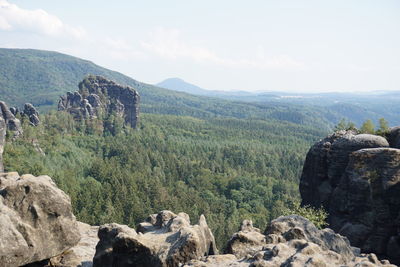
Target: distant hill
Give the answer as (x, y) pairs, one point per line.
(40, 77)
(180, 85)
(356, 107)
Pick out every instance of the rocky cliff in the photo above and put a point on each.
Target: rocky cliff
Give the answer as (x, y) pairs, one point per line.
(99, 97)
(356, 178)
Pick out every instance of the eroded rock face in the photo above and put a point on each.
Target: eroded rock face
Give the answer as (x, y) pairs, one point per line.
(32, 114)
(13, 124)
(82, 254)
(98, 96)
(165, 239)
(290, 241)
(36, 220)
(356, 178)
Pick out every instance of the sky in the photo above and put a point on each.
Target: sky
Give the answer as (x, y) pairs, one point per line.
(253, 45)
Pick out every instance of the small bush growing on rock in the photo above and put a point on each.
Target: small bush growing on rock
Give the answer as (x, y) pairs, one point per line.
(316, 216)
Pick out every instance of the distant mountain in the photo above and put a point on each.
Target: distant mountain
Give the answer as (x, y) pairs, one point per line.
(180, 85)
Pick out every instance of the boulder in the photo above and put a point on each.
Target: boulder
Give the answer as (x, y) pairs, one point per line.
(36, 220)
(292, 241)
(164, 239)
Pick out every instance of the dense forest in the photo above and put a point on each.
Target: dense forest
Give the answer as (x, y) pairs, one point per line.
(226, 168)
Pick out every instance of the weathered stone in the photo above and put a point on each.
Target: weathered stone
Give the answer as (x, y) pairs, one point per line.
(13, 124)
(247, 241)
(326, 161)
(166, 239)
(299, 243)
(356, 178)
(32, 114)
(82, 254)
(36, 220)
(98, 96)
(367, 200)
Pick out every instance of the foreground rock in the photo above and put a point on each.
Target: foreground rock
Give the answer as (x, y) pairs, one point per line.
(98, 96)
(165, 239)
(82, 254)
(36, 220)
(289, 241)
(356, 178)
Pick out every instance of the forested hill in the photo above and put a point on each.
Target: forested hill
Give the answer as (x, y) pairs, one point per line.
(40, 77)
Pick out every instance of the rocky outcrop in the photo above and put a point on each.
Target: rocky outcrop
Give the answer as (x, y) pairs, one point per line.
(32, 114)
(356, 178)
(36, 220)
(12, 123)
(165, 239)
(98, 96)
(289, 241)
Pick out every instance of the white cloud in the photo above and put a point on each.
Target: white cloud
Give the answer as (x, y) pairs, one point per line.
(168, 44)
(37, 21)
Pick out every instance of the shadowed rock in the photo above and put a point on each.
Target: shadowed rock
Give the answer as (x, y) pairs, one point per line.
(356, 178)
(165, 239)
(36, 220)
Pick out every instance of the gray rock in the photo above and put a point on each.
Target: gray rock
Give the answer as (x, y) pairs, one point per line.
(166, 239)
(13, 124)
(394, 137)
(367, 200)
(32, 114)
(326, 161)
(291, 241)
(356, 178)
(98, 96)
(36, 220)
(82, 254)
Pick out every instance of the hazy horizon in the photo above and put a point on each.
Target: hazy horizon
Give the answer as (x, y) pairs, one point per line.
(261, 46)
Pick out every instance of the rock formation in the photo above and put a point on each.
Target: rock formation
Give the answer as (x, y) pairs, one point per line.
(289, 241)
(82, 254)
(165, 239)
(356, 178)
(32, 114)
(36, 220)
(98, 96)
(12, 123)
